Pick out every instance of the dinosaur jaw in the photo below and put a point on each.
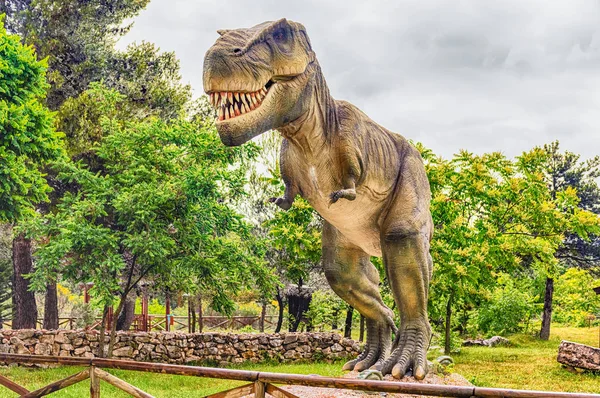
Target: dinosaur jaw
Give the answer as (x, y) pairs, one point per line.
(230, 104)
(243, 115)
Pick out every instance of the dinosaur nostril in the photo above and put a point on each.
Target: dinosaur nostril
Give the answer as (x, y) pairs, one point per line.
(237, 50)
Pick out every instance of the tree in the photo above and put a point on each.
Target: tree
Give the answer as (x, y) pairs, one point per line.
(158, 209)
(77, 36)
(293, 239)
(564, 171)
(575, 300)
(493, 215)
(27, 143)
(78, 39)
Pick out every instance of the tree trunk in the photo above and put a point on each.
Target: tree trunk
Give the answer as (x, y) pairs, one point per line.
(361, 336)
(102, 332)
(192, 305)
(547, 314)
(281, 306)
(348, 324)
(51, 307)
(263, 314)
(447, 336)
(334, 320)
(126, 316)
(24, 307)
(113, 326)
(200, 320)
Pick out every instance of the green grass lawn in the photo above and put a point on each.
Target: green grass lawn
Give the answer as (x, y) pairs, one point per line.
(527, 364)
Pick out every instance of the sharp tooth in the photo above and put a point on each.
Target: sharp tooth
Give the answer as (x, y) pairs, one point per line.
(236, 110)
(244, 108)
(244, 100)
(248, 99)
(230, 97)
(263, 91)
(253, 98)
(223, 98)
(237, 96)
(220, 113)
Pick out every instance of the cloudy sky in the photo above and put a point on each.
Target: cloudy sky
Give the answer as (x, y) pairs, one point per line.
(480, 75)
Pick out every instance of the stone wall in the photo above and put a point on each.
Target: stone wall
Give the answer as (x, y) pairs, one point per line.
(180, 348)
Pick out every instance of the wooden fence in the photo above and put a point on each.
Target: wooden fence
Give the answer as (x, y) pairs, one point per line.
(177, 323)
(260, 383)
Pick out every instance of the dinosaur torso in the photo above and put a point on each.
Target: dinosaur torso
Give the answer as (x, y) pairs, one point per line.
(312, 160)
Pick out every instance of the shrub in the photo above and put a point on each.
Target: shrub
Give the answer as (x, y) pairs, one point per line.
(508, 310)
(574, 299)
(324, 306)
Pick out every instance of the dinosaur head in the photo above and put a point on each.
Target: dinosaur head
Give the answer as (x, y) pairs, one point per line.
(257, 78)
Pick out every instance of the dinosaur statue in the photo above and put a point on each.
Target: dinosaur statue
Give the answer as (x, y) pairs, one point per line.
(367, 183)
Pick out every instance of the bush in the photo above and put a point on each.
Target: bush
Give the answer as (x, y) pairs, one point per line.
(508, 311)
(574, 299)
(324, 306)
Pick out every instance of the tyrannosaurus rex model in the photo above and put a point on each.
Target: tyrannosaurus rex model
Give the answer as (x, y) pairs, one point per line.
(368, 183)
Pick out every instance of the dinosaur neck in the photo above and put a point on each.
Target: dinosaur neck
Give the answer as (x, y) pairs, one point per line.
(319, 122)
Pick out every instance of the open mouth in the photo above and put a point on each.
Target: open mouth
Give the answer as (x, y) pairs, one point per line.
(231, 104)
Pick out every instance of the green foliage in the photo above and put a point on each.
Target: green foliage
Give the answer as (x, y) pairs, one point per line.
(162, 194)
(6, 270)
(574, 299)
(508, 310)
(493, 216)
(565, 170)
(297, 233)
(150, 80)
(78, 37)
(85, 314)
(324, 308)
(293, 237)
(27, 137)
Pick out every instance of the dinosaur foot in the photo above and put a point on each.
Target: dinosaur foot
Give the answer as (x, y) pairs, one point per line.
(377, 348)
(410, 352)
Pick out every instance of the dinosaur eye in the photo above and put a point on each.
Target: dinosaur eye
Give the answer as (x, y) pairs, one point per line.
(279, 35)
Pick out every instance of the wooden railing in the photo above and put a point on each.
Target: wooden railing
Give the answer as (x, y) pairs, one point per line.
(260, 383)
(178, 323)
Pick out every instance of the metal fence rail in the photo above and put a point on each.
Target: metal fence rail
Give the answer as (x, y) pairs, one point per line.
(260, 382)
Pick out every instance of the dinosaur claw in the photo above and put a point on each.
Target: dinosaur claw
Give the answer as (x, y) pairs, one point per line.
(420, 373)
(349, 365)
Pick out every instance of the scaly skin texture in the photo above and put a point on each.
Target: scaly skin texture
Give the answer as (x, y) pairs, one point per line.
(368, 183)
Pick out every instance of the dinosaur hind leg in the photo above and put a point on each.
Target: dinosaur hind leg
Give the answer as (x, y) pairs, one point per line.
(352, 277)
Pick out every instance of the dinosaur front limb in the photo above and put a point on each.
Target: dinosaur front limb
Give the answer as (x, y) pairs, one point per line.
(408, 263)
(349, 191)
(288, 198)
(349, 194)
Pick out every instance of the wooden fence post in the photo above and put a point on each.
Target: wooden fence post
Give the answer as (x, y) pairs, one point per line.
(259, 389)
(94, 383)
